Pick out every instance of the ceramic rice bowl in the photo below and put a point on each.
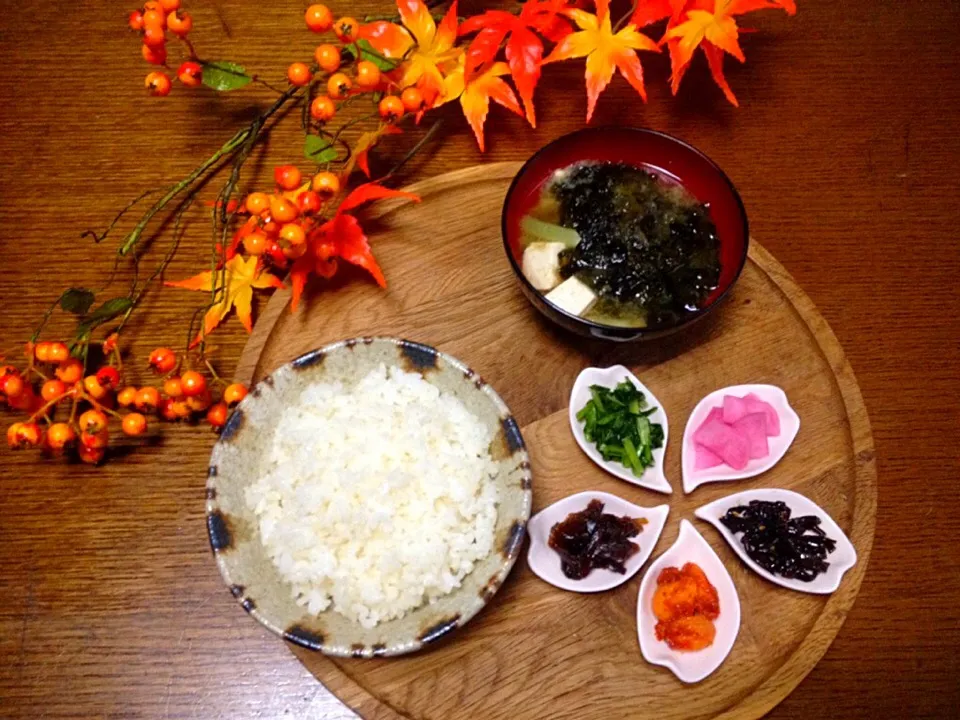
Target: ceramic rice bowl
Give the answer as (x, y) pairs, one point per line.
(238, 459)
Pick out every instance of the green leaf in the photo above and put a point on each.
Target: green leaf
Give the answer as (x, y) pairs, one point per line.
(224, 76)
(319, 149)
(109, 310)
(77, 300)
(368, 52)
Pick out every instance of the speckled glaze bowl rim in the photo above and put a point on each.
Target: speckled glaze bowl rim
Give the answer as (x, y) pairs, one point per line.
(490, 589)
(639, 333)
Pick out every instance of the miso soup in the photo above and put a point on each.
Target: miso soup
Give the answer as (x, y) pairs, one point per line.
(618, 245)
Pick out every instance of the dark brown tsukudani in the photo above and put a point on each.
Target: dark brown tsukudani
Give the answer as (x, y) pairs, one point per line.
(591, 538)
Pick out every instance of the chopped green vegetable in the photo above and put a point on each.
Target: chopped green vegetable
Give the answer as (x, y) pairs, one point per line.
(617, 422)
(539, 231)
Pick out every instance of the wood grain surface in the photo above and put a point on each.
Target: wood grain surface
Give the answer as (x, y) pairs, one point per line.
(844, 149)
(578, 654)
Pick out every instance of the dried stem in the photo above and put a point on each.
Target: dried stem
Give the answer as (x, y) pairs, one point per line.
(226, 149)
(413, 151)
(623, 20)
(103, 236)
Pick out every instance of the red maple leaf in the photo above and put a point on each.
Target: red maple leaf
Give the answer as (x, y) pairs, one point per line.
(341, 237)
(524, 47)
(707, 24)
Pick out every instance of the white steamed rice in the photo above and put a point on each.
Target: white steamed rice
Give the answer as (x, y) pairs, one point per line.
(378, 498)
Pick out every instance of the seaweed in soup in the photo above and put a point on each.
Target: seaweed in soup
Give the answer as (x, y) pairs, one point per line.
(648, 249)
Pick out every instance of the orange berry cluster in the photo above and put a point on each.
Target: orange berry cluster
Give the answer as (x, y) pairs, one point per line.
(153, 21)
(280, 222)
(367, 77)
(93, 400)
(181, 397)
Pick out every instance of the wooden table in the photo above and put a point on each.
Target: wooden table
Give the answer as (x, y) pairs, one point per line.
(844, 151)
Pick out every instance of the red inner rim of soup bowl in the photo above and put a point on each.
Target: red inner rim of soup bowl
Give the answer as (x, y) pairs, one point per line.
(666, 156)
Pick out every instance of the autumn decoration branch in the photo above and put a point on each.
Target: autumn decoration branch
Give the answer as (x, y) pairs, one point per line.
(366, 81)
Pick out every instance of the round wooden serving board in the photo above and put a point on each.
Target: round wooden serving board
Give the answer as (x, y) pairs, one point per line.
(538, 652)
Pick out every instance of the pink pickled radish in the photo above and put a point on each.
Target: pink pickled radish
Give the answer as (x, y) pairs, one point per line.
(704, 458)
(734, 408)
(755, 404)
(723, 440)
(754, 428)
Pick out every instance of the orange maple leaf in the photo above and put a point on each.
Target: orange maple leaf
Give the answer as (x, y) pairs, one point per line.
(434, 54)
(717, 27)
(476, 95)
(693, 24)
(234, 289)
(605, 51)
(359, 156)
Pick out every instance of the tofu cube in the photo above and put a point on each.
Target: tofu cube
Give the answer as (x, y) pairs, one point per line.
(573, 296)
(541, 264)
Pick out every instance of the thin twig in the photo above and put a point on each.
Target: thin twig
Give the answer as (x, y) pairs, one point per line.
(349, 124)
(224, 221)
(413, 151)
(623, 20)
(267, 85)
(226, 149)
(193, 320)
(177, 236)
(305, 111)
(46, 316)
(112, 275)
(102, 236)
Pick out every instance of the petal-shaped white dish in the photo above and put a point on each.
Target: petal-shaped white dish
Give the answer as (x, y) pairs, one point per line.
(653, 478)
(545, 562)
(690, 667)
(841, 559)
(789, 427)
